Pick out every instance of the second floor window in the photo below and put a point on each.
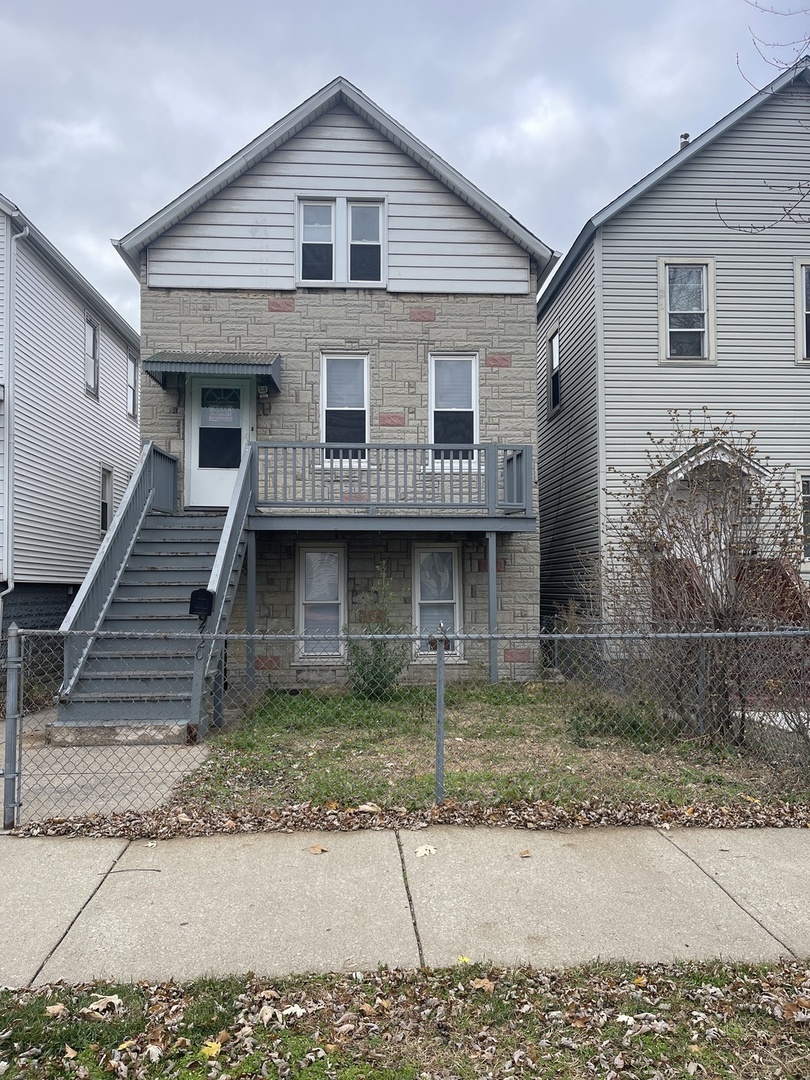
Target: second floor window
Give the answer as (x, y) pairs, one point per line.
(686, 311)
(554, 371)
(91, 356)
(317, 241)
(805, 481)
(132, 385)
(453, 405)
(344, 405)
(341, 241)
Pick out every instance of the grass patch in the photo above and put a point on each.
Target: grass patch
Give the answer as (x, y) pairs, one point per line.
(505, 743)
(465, 1022)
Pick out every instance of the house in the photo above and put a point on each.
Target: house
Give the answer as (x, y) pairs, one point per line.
(690, 291)
(68, 422)
(338, 356)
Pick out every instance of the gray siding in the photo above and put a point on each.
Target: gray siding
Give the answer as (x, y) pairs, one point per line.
(748, 176)
(62, 436)
(568, 460)
(244, 237)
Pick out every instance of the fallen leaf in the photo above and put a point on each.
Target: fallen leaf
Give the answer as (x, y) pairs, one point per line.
(369, 808)
(112, 1003)
(525, 854)
(426, 849)
(126, 1045)
(318, 849)
(152, 843)
(184, 819)
(70, 1052)
(211, 1048)
(483, 984)
(59, 1009)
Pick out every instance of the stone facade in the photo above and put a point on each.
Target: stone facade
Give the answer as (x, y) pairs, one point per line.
(398, 332)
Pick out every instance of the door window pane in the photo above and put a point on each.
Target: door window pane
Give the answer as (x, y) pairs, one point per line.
(321, 615)
(220, 432)
(437, 601)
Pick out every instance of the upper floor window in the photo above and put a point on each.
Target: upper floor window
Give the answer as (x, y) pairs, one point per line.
(132, 385)
(805, 482)
(91, 355)
(553, 357)
(341, 241)
(802, 311)
(686, 288)
(453, 403)
(344, 405)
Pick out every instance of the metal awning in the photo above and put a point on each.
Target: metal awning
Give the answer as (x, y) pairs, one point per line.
(265, 369)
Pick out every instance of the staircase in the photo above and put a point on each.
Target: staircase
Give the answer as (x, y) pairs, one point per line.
(139, 690)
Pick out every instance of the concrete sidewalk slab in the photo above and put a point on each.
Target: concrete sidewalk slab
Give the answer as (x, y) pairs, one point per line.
(581, 895)
(767, 871)
(44, 883)
(185, 908)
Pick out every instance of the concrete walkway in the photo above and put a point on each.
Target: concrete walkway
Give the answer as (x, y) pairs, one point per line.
(274, 903)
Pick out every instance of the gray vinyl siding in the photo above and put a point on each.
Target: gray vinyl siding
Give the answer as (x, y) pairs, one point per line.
(5, 248)
(62, 436)
(748, 176)
(244, 237)
(568, 457)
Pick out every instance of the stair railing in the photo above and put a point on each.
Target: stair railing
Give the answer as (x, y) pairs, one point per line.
(227, 563)
(153, 486)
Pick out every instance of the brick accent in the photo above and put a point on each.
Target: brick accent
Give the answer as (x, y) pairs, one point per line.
(422, 314)
(498, 360)
(500, 566)
(268, 663)
(392, 419)
(517, 656)
(286, 303)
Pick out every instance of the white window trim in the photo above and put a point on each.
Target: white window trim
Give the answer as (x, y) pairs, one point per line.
(344, 463)
(440, 464)
(802, 344)
(92, 390)
(320, 659)
(707, 262)
(340, 234)
(133, 368)
(106, 470)
(802, 475)
(458, 606)
(553, 332)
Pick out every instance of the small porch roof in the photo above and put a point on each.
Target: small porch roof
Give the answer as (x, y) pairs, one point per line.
(161, 364)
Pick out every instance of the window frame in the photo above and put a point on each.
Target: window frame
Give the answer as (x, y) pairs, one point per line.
(802, 483)
(418, 550)
(341, 239)
(553, 370)
(301, 655)
(106, 497)
(91, 388)
(707, 264)
(801, 269)
(323, 408)
(132, 384)
(441, 462)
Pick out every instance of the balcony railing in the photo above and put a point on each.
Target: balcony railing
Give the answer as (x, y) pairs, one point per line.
(371, 478)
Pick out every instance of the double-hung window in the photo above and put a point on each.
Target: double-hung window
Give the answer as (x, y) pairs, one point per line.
(553, 356)
(344, 405)
(437, 594)
(802, 311)
(91, 355)
(106, 506)
(132, 385)
(342, 241)
(321, 600)
(686, 296)
(453, 404)
(805, 511)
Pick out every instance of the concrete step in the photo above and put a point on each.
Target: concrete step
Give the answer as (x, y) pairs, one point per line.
(63, 732)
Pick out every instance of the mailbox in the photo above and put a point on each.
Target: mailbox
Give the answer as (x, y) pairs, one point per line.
(201, 603)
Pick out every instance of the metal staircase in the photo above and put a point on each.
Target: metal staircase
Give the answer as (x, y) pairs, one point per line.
(136, 668)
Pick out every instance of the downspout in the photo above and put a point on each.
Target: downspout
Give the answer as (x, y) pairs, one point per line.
(8, 430)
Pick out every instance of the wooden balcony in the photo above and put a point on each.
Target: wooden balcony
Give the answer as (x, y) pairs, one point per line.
(479, 487)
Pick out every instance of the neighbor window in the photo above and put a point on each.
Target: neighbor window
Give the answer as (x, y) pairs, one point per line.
(437, 595)
(341, 241)
(686, 288)
(91, 355)
(106, 499)
(805, 481)
(321, 601)
(802, 311)
(344, 405)
(132, 385)
(553, 355)
(454, 405)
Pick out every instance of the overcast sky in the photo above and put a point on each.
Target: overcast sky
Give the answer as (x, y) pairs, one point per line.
(111, 108)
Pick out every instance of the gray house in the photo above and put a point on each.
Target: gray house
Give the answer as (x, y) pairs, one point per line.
(338, 342)
(68, 422)
(690, 290)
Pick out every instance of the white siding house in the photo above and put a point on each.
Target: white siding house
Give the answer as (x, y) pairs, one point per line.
(727, 216)
(68, 431)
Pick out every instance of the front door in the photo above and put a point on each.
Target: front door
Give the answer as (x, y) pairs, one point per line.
(219, 423)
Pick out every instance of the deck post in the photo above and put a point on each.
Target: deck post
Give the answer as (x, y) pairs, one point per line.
(250, 651)
(492, 604)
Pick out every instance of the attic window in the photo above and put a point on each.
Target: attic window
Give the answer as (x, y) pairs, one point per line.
(341, 241)
(686, 315)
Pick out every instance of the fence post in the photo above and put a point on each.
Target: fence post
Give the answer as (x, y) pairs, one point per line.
(440, 642)
(10, 773)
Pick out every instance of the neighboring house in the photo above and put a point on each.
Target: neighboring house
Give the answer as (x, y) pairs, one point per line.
(342, 310)
(68, 426)
(690, 290)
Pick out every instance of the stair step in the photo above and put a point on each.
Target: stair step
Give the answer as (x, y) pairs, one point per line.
(129, 710)
(134, 607)
(156, 647)
(126, 685)
(188, 577)
(62, 732)
(138, 664)
(168, 549)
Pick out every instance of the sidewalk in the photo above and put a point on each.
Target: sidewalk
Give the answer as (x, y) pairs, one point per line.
(79, 909)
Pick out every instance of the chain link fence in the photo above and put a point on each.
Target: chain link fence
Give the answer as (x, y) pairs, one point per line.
(400, 720)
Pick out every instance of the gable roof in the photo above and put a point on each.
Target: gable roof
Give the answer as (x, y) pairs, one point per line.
(798, 71)
(57, 261)
(715, 451)
(339, 91)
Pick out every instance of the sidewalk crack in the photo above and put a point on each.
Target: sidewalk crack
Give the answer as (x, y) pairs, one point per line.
(730, 895)
(104, 875)
(410, 899)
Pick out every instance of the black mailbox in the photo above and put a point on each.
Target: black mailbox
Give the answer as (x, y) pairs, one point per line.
(201, 603)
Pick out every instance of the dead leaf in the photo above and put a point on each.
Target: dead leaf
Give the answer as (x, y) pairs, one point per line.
(57, 1010)
(70, 1052)
(369, 808)
(483, 984)
(318, 849)
(426, 849)
(184, 819)
(525, 854)
(211, 1048)
(103, 1006)
(126, 1045)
